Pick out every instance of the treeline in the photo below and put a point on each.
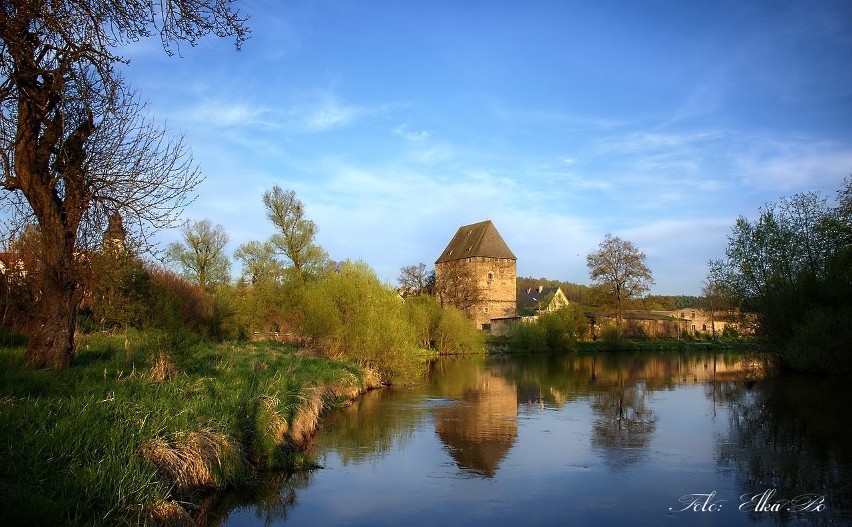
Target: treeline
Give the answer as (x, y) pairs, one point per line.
(289, 290)
(791, 269)
(594, 296)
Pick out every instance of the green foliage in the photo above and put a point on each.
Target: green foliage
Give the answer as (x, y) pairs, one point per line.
(612, 338)
(117, 289)
(201, 257)
(791, 269)
(528, 337)
(455, 334)
(295, 239)
(446, 330)
(351, 313)
(557, 331)
(76, 457)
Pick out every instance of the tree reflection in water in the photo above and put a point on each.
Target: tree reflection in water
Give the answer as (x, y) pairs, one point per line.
(787, 433)
(371, 426)
(271, 499)
(624, 425)
(791, 434)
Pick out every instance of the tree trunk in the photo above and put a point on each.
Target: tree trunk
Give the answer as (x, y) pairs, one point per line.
(51, 334)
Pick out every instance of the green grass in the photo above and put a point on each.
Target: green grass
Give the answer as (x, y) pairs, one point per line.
(72, 442)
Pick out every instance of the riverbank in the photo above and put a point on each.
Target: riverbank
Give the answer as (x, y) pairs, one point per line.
(142, 427)
(505, 345)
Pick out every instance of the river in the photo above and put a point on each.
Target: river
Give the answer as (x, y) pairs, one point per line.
(610, 439)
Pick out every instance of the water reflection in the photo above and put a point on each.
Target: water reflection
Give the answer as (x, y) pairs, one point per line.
(266, 503)
(481, 427)
(631, 433)
(623, 424)
(790, 435)
(375, 424)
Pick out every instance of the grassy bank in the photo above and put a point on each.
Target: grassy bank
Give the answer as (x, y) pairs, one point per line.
(137, 432)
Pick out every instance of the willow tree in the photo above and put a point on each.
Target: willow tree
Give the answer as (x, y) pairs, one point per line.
(201, 255)
(75, 146)
(295, 239)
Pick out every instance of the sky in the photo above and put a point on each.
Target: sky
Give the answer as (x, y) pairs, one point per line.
(398, 122)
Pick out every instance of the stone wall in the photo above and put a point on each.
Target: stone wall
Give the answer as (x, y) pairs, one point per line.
(495, 278)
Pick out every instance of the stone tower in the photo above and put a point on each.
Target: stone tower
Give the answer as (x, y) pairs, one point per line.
(477, 274)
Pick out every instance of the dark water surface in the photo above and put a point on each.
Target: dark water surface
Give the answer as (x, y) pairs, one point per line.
(611, 439)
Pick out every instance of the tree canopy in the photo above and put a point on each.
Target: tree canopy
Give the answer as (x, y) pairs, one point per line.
(619, 266)
(791, 268)
(201, 256)
(296, 234)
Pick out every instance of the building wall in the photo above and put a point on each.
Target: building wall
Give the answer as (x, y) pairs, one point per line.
(496, 278)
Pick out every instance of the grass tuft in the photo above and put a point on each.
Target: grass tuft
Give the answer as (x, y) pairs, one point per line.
(134, 435)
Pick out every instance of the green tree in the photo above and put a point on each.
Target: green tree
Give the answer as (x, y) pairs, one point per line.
(791, 268)
(259, 263)
(74, 147)
(351, 313)
(201, 256)
(119, 287)
(619, 266)
(295, 237)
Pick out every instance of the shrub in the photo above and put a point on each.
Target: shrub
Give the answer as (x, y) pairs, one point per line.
(350, 313)
(455, 334)
(611, 337)
(527, 337)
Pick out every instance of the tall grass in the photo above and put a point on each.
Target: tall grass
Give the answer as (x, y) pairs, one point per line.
(110, 442)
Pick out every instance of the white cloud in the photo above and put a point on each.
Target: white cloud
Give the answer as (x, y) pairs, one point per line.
(793, 166)
(326, 114)
(410, 135)
(228, 114)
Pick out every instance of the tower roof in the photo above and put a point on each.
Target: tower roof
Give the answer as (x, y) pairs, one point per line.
(478, 239)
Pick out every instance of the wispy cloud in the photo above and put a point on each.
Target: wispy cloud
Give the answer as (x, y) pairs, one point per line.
(314, 113)
(326, 113)
(791, 165)
(229, 114)
(406, 133)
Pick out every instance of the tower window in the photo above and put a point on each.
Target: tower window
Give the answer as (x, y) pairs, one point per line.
(491, 276)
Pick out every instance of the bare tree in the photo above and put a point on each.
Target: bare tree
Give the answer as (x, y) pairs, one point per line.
(456, 285)
(201, 257)
(619, 266)
(416, 280)
(295, 237)
(73, 146)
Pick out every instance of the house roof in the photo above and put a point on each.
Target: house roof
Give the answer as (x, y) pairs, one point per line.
(531, 296)
(478, 239)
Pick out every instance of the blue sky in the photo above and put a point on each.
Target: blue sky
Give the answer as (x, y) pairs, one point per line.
(397, 122)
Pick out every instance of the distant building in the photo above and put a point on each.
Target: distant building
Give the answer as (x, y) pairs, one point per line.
(540, 300)
(477, 274)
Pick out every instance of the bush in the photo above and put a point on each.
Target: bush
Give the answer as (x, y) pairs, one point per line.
(612, 338)
(557, 331)
(528, 337)
(820, 343)
(350, 313)
(455, 334)
(445, 330)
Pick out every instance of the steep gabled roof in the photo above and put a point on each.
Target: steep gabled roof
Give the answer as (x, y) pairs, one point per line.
(532, 296)
(478, 239)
